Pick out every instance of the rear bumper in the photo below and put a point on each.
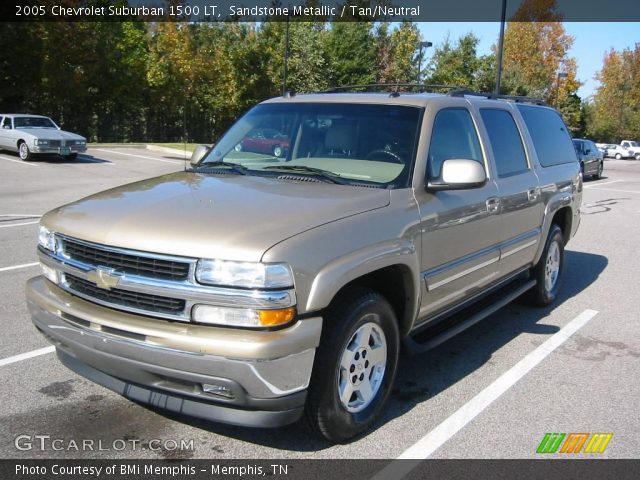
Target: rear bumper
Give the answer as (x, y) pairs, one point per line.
(259, 390)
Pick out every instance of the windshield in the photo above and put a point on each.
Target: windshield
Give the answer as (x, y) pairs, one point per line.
(355, 143)
(30, 122)
(633, 144)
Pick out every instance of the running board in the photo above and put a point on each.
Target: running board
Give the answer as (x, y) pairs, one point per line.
(426, 340)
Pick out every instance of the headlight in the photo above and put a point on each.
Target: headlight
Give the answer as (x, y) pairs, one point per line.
(46, 239)
(41, 142)
(242, 317)
(244, 274)
(81, 142)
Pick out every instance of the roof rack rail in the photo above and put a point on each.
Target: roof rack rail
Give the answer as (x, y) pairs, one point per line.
(492, 96)
(394, 88)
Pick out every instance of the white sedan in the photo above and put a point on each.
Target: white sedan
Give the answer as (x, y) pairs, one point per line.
(30, 135)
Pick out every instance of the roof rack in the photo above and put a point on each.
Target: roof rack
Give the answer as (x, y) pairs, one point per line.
(461, 92)
(394, 88)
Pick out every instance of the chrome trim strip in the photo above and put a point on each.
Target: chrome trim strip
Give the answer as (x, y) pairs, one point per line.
(124, 251)
(464, 273)
(498, 249)
(519, 248)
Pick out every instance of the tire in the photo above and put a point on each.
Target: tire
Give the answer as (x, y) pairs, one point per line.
(637, 157)
(618, 156)
(598, 174)
(277, 151)
(24, 152)
(355, 366)
(548, 271)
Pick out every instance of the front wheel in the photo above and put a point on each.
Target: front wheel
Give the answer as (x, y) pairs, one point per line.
(355, 366)
(637, 157)
(548, 270)
(24, 152)
(618, 156)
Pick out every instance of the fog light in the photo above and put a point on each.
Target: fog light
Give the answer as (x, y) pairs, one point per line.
(217, 390)
(50, 273)
(241, 317)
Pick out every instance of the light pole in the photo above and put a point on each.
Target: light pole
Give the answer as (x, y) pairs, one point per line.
(558, 77)
(503, 17)
(422, 45)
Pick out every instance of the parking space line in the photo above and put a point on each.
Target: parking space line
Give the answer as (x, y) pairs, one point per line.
(25, 356)
(615, 190)
(19, 224)
(176, 162)
(433, 440)
(19, 162)
(17, 267)
(603, 183)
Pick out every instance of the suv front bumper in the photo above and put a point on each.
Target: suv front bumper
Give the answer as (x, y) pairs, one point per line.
(262, 375)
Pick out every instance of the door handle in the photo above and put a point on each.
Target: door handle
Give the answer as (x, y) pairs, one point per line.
(493, 204)
(533, 194)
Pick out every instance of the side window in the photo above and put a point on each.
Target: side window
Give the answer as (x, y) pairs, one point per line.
(506, 143)
(6, 123)
(453, 136)
(549, 134)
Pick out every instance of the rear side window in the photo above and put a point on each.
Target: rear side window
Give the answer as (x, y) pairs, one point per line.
(549, 134)
(506, 143)
(453, 136)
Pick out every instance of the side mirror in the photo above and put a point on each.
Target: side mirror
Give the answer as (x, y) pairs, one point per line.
(458, 174)
(587, 151)
(198, 154)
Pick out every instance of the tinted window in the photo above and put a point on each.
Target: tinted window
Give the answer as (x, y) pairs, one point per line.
(453, 136)
(549, 133)
(506, 143)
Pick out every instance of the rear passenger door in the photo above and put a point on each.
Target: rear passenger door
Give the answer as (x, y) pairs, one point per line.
(521, 206)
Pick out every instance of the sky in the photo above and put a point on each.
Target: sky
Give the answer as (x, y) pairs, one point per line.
(591, 41)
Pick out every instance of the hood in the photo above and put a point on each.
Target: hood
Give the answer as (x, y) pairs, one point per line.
(206, 216)
(51, 134)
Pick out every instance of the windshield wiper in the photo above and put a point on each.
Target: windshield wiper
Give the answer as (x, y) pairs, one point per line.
(214, 167)
(303, 170)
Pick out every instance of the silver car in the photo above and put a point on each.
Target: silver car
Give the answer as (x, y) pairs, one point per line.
(30, 135)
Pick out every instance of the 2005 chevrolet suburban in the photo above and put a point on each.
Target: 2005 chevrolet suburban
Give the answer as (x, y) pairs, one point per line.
(257, 289)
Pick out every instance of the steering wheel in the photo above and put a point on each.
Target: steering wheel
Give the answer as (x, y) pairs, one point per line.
(391, 156)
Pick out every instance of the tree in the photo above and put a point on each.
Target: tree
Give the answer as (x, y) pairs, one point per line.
(615, 112)
(351, 53)
(458, 64)
(536, 49)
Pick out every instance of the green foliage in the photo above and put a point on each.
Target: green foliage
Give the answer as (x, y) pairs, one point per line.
(458, 64)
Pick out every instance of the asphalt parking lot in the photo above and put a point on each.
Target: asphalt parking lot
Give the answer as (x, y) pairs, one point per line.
(445, 402)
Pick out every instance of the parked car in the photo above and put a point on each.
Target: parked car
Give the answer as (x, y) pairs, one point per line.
(264, 140)
(633, 147)
(618, 152)
(590, 157)
(602, 148)
(258, 292)
(30, 135)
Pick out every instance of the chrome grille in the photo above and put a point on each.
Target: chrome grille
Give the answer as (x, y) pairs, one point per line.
(54, 143)
(125, 298)
(130, 263)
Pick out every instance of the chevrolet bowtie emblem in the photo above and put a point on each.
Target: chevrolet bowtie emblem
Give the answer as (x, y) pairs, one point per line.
(104, 278)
